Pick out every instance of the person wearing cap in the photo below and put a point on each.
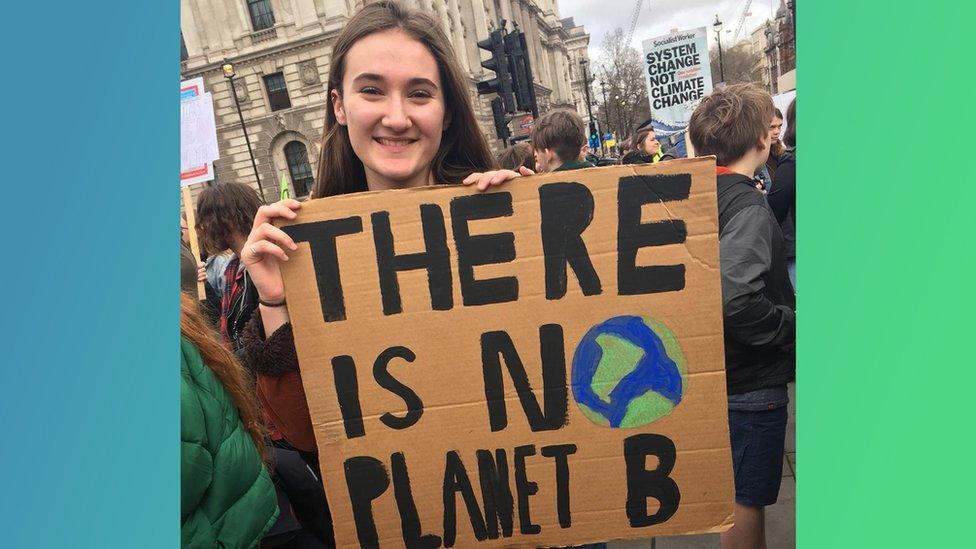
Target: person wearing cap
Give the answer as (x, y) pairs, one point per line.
(647, 148)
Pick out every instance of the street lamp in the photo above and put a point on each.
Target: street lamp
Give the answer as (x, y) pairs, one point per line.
(718, 36)
(229, 74)
(619, 126)
(606, 106)
(589, 104)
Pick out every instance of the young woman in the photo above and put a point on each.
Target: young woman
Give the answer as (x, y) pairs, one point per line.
(400, 117)
(227, 497)
(777, 148)
(647, 149)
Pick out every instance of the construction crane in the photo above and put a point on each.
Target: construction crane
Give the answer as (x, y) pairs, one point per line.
(742, 22)
(634, 16)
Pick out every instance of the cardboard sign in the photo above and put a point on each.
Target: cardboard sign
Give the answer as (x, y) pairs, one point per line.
(539, 365)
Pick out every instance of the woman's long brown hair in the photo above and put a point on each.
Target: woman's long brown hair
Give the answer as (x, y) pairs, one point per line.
(463, 148)
(225, 366)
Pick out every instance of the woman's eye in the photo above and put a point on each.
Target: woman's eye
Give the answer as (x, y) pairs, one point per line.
(370, 91)
(422, 94)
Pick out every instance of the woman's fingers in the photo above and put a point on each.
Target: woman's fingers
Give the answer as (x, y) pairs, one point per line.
(267, 239)
(267, 231)
(525, 171)
(262, 248)
(503, 176)
(484, 180)
(284, 208)
(500, 177)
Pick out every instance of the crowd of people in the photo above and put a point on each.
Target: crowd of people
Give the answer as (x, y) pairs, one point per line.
(250, 463)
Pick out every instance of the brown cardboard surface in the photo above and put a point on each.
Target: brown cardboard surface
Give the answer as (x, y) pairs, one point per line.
(447, 373)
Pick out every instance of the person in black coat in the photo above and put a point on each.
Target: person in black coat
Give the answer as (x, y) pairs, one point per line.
(782, 199)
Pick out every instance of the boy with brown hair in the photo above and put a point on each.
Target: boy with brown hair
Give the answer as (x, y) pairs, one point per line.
(519, 154)
(757, 301)
(559, 140)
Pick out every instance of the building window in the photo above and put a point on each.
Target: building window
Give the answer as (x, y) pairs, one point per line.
(298, 167)
(277, 91)
(183, 53)
(261, 15)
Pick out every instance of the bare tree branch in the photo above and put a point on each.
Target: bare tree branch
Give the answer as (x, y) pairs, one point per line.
(622, 72)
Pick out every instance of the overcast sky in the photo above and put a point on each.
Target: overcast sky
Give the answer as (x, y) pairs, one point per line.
(658, 17)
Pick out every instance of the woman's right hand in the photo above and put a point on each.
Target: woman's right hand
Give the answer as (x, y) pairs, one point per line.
(485, 180)
(266, 246)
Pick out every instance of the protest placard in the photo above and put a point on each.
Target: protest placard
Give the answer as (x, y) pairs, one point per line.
(538, 365)
(677, 74)
(198, 134)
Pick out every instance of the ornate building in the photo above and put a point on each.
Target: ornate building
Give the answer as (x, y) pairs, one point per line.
(774, 43)
(280, 50)
(577, 41)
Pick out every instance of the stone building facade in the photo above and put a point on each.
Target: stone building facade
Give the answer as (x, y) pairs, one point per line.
(577, 41)
(774, 44)
(281, 51)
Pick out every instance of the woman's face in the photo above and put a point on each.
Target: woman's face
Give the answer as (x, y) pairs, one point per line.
(392, 103)
(651, 144)
(774, 128)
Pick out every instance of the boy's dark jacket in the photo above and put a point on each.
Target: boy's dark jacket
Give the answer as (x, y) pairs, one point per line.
(757, 298)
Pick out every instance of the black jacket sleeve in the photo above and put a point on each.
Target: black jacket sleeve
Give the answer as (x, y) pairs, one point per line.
(746, 252)
(782, 199)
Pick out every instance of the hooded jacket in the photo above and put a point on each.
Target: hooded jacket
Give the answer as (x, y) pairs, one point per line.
(757, 297)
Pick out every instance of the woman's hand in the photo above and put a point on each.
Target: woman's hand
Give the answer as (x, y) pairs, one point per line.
(265, 247)
(483, 181)
(201, 272)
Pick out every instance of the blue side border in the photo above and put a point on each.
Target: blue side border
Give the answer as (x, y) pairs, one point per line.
(89, 394)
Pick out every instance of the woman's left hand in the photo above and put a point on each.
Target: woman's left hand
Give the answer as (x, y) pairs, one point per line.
(483, 181)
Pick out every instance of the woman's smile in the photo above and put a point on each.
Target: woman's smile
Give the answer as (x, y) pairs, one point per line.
(394, 144)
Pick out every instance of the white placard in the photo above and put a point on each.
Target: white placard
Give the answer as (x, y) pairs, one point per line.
(677, 74)
(189, 90)
(198, 132)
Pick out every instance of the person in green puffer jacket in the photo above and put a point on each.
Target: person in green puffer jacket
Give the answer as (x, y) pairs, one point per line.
(227, 497)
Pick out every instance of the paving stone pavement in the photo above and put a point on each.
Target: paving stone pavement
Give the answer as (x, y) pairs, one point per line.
(780, 517)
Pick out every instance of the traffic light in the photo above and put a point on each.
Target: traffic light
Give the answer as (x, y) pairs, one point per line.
(501, 120)
(521, 69)
(497, 62)
(594, 137)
